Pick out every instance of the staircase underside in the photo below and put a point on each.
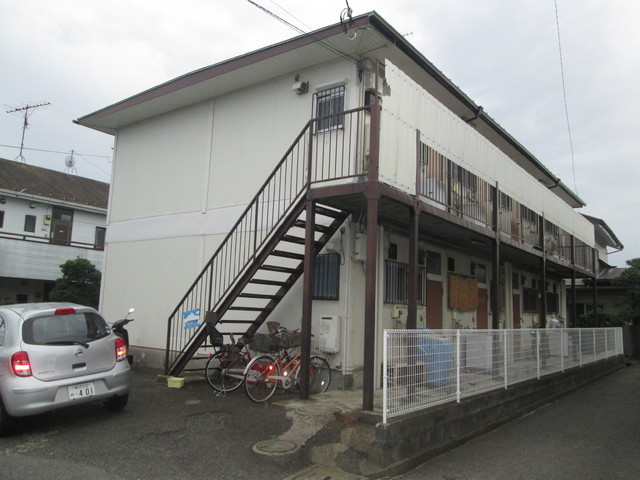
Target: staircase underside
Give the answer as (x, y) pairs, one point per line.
(266, 281)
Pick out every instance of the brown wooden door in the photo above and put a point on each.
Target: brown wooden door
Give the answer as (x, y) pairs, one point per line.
(483, 308)
(434, 304)
(61, 226)
(516, 310)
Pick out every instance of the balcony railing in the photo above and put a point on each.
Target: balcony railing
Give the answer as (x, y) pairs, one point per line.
(34, 239)
(450, 187)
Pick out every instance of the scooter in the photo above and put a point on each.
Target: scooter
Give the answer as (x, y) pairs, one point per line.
(118, 327)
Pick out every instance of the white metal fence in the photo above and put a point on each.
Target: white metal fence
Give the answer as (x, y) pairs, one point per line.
(423, 368)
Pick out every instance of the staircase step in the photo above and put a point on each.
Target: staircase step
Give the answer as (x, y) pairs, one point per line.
(275, 268)
(292, 239)
(327, 212)
(273, 283)
(223, 322)
(317, 227)
(247, 309)
(259, 295)
(297, 240)
(282, 253)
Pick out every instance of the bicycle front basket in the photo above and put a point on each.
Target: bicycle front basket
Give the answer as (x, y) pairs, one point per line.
(289, 339)
(264, 343)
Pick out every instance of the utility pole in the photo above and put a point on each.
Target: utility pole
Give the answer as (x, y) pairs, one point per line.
(25, 112)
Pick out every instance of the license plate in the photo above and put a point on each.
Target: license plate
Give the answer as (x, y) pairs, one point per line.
(82, 390)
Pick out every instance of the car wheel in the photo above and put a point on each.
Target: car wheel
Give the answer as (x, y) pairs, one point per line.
(116, 404)
(6, 421)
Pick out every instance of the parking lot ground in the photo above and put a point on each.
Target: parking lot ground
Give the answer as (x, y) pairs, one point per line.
(163, 433)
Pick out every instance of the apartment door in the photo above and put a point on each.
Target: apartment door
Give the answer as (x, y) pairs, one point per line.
(483, 308)
(434, 304)
(61, 226)
(516, 311)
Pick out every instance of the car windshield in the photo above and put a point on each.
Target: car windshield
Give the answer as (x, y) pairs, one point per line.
(64, 329)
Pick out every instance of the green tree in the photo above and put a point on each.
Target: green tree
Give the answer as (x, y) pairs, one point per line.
(630, 279)
(605, 319)
(80, 283)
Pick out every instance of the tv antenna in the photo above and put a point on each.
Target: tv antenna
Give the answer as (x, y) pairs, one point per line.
(70, 163)
(26, 112)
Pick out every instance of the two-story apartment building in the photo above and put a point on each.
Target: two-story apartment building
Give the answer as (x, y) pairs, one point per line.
(46, 218)
(337, 181)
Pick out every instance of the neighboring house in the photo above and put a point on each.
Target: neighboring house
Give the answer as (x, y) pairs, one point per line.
(348, 142)
(46, 218)
(605, 293)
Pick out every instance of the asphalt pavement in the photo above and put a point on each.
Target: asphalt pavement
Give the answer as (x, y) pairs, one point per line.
(190, 433)
(163, 433)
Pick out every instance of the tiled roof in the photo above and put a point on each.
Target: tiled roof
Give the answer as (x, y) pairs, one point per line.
(27, 179)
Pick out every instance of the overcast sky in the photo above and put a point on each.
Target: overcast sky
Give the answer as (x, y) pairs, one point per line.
(82, 55)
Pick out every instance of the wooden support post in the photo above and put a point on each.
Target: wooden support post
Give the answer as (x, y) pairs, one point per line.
(596, 320)
(573, 313)
(412, 312)
(372, 194)
(542, 290)
(495, 263)
(370, 304)
(307, 298)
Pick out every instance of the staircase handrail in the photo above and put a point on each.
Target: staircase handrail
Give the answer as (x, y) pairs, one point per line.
(304, 185)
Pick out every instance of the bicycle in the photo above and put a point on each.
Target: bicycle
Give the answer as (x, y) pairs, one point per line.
(225, 369)
(264, 374)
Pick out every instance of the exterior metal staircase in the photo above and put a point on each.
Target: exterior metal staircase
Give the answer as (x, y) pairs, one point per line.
(262, 256)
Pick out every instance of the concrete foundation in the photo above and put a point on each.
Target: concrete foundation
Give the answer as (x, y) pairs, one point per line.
(368, 447)
(410, 440)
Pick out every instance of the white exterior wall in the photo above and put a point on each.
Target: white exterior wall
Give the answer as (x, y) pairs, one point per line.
(409, 108)
(180, 182)
(182, 179)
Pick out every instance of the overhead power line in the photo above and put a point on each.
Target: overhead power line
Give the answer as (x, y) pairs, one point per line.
(319, 41)
(73, 152)
(564, 94)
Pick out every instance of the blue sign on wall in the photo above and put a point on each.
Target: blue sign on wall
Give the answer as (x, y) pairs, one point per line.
(191, 318)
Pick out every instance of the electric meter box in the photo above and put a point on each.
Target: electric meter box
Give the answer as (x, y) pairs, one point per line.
(329, 334)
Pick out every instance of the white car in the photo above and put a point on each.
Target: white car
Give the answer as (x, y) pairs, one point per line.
(55, 355)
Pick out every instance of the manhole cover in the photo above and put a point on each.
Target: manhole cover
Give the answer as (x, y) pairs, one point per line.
(280, 452)
(276, 447)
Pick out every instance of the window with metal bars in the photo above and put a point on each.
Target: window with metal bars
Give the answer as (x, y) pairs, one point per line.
(396, 283)
(326, 284)
(328, 108)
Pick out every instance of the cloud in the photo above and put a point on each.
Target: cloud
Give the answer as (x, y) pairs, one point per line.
(82, 56)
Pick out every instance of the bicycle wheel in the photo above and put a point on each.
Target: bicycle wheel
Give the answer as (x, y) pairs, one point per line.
(259, 383)
(224, 375)
(319, 375)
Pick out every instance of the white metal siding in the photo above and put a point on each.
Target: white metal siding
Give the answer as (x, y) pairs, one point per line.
(410, 107)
